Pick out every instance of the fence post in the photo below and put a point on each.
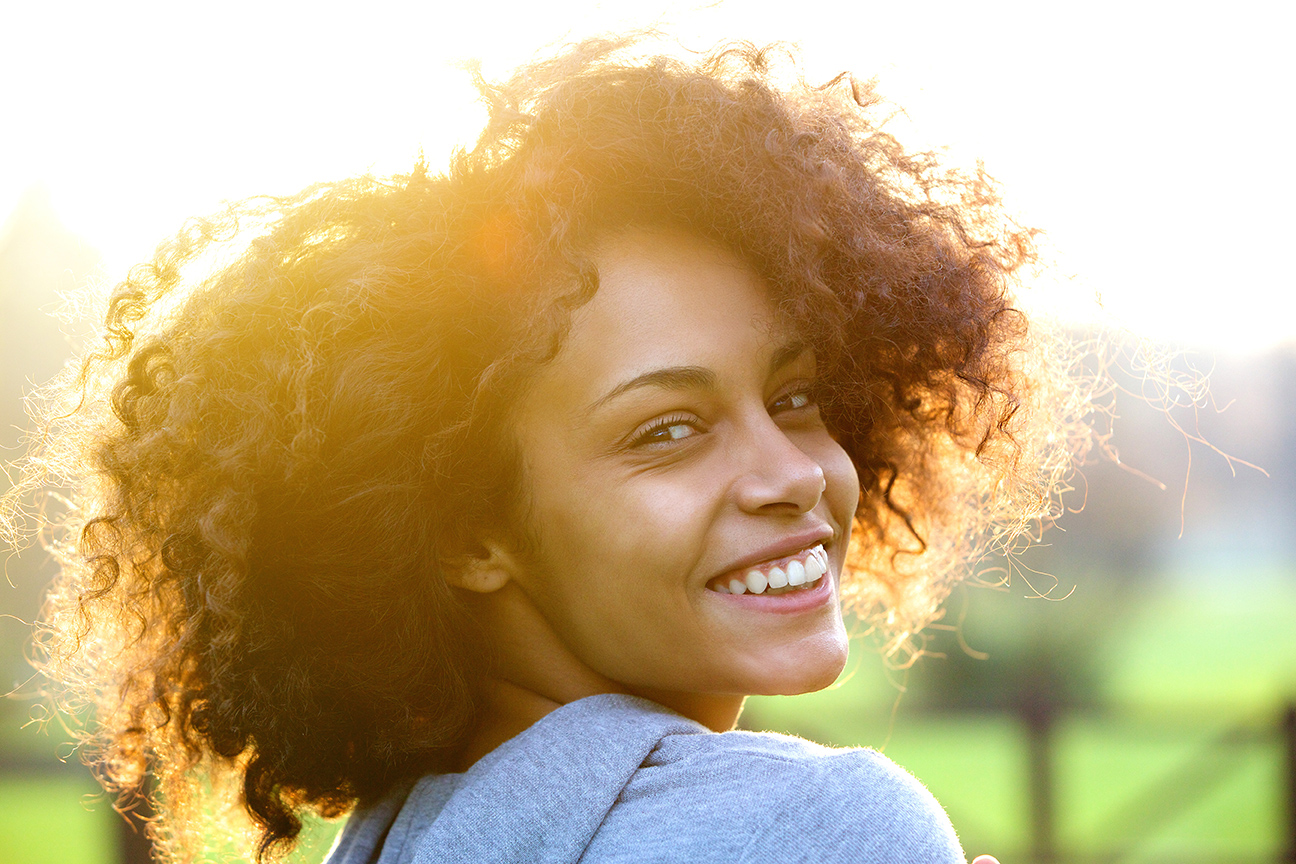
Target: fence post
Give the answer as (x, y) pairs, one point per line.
(1039, 714)
(133, 844)
(1289, 738)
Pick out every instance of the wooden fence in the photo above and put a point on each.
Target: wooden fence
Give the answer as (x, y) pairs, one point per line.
(1162, 798)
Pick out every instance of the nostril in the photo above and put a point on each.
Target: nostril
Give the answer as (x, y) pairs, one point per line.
(791, 483)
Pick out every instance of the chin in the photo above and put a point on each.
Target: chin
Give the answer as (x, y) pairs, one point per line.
(813, 670)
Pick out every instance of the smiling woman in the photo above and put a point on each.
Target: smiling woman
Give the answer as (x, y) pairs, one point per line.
(672, 449)
(479, 503)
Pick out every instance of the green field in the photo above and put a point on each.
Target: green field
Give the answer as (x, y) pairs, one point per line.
(1176, 757)
(54, 821)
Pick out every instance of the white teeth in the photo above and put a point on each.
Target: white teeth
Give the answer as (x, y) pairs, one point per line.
(814, 568)
(794, 574)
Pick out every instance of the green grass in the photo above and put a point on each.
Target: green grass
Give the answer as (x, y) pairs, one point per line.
(1218, 642)
(1184, 766)
(1118, 785)
(69, 821)
(1162, 794)
(55, 821)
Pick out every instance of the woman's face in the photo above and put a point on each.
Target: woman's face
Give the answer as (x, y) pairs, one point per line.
(671, 453)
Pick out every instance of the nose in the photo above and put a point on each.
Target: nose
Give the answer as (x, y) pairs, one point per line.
(775, 475)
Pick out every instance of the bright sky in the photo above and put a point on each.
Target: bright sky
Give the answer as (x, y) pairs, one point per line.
(1151, 140)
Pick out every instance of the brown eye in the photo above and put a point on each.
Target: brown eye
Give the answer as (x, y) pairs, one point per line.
(673, 432)
(792, 400)
(666, 431)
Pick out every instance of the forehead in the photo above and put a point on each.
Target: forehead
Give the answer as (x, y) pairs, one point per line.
(662, 271)
(665, 298)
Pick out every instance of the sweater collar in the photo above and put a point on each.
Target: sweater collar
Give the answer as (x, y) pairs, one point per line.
(541, 796)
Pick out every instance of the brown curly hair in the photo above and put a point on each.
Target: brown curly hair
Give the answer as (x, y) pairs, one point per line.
(274, 459)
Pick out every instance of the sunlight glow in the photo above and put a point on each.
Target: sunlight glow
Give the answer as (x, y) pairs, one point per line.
(1148, 150)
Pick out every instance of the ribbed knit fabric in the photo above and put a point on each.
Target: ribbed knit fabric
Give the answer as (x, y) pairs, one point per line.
(614, 779)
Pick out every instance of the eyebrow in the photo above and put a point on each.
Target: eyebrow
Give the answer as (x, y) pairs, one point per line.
(692, 377)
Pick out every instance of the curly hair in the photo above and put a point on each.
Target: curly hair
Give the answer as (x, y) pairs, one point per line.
(274, 460)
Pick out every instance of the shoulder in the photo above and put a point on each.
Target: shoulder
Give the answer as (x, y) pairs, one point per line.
(795, 764)
(744, 796)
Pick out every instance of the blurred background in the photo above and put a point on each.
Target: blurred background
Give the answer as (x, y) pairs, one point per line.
(1142, 718)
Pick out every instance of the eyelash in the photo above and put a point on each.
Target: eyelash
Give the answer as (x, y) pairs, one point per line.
(803, 391)
(643, 437)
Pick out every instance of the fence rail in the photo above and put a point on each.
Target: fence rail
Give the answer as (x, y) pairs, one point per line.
(1160, 799)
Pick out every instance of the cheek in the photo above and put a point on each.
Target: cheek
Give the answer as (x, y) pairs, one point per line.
(607, 544)
(610, 575)
(843, 486)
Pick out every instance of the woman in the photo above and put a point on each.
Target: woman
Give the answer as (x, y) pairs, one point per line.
(480, 502)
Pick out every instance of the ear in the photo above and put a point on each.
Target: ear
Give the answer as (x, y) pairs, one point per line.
(487, 571)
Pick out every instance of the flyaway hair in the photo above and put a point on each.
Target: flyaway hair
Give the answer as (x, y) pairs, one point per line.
(293, 420)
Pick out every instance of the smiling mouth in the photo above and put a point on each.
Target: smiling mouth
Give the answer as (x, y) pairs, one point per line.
(796, 573)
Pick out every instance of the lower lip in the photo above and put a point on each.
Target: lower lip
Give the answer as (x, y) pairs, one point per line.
(791, 603)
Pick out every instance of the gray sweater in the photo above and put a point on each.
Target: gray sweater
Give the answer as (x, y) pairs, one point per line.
(618, 779)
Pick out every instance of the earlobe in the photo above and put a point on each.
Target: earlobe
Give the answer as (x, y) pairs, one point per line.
(488, 571)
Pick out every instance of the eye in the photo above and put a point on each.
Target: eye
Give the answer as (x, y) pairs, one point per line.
(798, 396)
(665, 431)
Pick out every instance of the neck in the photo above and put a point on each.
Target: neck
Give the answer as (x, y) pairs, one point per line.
(511, 709)
(717, 711)
(535, 673)
(508, 710)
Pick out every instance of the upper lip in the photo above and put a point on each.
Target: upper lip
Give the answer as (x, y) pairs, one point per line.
(789, 545)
